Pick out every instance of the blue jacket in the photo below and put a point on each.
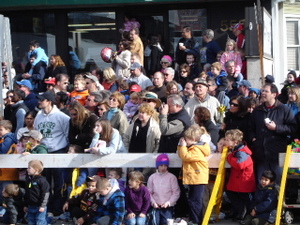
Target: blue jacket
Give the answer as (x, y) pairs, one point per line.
(40, 56)
(264, 201)
(115, 208)
(6, 141)
(221, 80)
(31, 101)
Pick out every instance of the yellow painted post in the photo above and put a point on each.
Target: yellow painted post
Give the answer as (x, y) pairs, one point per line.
(217, 193)
(283, 184)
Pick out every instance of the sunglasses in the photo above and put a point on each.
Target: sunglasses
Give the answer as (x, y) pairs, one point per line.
(73, 114)
(234, 104)
(164, 62)
(147, 100)
(166, 74)
(183, 71)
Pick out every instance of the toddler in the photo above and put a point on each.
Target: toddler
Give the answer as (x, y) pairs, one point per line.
(219, 75)
(131, 106)
(241, 181)
(80, 92)
(33, 145)
(116, 173)
(137, 199)
(164, 191)
(195, 168)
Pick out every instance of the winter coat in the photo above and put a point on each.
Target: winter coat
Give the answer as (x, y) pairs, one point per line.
(122, 63)
(194, 164)
(118, 121)
(242, 178)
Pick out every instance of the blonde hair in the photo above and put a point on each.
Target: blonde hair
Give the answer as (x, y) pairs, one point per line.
(295, 90)
(170, 85)
(233, 43)
(146, 108)
(195, 132)
(234, 135)
(102, 183)
(80, 78)
(136, 176)
(109, 75)
(120, 98)
(11, 190)
(217, 65)
(82, 114)
(37, 165)
(134, 95)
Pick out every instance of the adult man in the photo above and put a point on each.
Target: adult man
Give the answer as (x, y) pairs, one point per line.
(209, 52)
(244, 88)
(30, 98)
(159, 88)
(19, 109)
(54, 126)
(170, 75)
(136, 45)
(92, 83)
(174, 120)
(138, 77)
(91, 102)
(212, 91)
(231, 71)
(188, 91)
(269, 138)
(202, 98)
(187, 44)
(61, 83)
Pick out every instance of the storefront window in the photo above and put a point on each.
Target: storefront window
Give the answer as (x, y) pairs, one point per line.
(195, 18)
(89, 33)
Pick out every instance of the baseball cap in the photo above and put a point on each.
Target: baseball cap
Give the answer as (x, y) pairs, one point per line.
(35, 134)
(26, 83)
(244, 83)
(47, 95)
(135, 88)
(269, 79)
(238, 26)
(135, 65)
(93, 78)
(50, 80)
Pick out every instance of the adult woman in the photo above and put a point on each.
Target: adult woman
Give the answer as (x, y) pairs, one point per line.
(102, 108)
(29, 119)
(109, 139)
(109, 80)
(121, 61)
(294, 99)
(237, 117)
(57, 66)
(165, 62)
(172, 88)
(184, 74)
(115, 114)
(144, 134)
(153, 54)
(202, 118)
(82, 124)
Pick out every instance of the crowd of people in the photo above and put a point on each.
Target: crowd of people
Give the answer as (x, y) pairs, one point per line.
(194, 105)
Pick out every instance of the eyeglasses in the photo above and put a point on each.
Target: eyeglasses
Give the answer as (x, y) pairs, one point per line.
(234, 104)
(164, 62)
(166, 74)
(113, 99)
(183, 71)
(10, 96)
(147, 100)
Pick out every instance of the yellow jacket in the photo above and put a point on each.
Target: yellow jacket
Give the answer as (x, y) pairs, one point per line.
(194, 163)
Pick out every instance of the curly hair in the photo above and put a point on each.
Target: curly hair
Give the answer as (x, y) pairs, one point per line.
(58, 61)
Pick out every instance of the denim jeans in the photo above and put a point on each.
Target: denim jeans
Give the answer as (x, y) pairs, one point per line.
(136, 220)
(160, 216)
(34, 217)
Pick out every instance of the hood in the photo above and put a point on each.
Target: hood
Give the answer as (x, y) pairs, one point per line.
(11, 136)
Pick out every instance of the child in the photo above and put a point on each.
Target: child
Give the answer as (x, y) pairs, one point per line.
(75, 178)
(34, 146)
(264, 202)
(164, 191)
(289, 82)
(111, 209)
(194, 68)
(132, 105)
(84, 206)
(117, 174)
(219, 75)
(137, 199)
(34, 47)
(7, 140)
(36, 193)
(13, 203)
(195, 168)
(80, 92)
(241, 181)
(231, 53)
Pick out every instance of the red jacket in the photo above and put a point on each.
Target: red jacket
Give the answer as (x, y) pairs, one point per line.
(241, 177)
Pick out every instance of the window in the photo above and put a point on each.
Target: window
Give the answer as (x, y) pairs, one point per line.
(293, 43)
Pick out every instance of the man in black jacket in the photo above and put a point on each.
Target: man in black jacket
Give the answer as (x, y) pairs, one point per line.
(271, 123)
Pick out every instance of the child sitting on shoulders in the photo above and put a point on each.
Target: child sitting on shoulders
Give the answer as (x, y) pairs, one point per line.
(80, 92)
(116, 173)
(264, 203)
(34, 146)
(164, 191)
(83, 207)
(219, 75)
(111, 209)
(13, 203)
(195, 168)
(131, 106)
(241, 183)
(137, 199)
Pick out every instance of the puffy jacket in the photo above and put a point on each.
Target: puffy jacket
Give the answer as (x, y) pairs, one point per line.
(194, 163)
(242, 178)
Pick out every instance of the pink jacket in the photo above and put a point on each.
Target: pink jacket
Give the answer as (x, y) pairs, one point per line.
(163, 188)
(234, 56)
